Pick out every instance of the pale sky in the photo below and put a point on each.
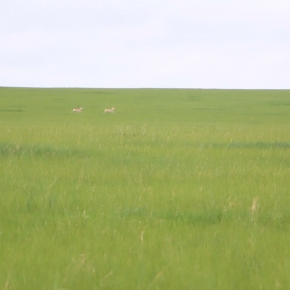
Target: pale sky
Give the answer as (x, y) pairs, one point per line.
(237, 44)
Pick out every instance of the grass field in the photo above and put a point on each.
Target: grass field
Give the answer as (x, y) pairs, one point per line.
(179, 189)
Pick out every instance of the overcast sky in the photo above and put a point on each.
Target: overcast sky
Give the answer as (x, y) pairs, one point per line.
(240, 44)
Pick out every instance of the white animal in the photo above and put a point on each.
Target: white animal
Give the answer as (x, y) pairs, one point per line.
(109, 110)
(77, 110)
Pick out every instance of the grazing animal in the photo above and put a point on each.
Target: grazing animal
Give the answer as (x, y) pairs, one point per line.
(77, 110)
(109, 110)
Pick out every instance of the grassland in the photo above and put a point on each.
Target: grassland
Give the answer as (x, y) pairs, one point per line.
(179, 189)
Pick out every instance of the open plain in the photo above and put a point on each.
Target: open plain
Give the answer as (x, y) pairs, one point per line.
(178, 189)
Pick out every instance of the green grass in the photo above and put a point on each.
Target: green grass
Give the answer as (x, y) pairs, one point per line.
(179, 189)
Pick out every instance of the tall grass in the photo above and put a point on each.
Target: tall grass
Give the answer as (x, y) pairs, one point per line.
(179, 189)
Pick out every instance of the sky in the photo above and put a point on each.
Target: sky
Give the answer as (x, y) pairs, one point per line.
(237, 44)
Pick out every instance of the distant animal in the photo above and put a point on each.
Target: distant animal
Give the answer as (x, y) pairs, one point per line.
(77, 110)
(109, 110)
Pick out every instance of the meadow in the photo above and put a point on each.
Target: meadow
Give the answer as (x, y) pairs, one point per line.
(178, 189)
